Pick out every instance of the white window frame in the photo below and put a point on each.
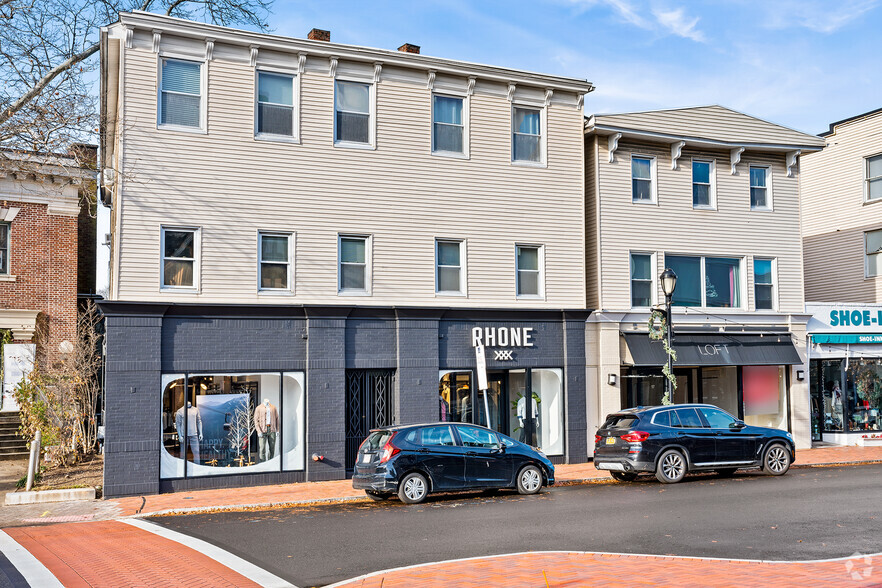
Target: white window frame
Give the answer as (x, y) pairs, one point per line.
(769, 207)
(712, 186)
(867, 255)
(543, 134)
(8, 272)
(774, 283)
(197, 259)
(653, 278)
(463, 275)
(465, 124)
(742, 287)
(868, 179)
(368, 258)
(295, 123)
(541, 277)
(653, 173)
(202, 129)
(372, 108)
(290, 263)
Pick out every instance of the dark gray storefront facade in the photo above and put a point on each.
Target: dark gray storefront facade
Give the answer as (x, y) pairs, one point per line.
(211, 396)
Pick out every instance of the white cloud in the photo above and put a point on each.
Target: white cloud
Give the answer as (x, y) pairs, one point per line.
(673, 21)
(821, 16)
(678, 23)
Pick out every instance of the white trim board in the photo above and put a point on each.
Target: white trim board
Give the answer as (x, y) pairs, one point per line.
(34, 572)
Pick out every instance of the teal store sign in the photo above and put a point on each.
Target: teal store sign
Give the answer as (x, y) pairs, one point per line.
(855, 318)
(846, 338)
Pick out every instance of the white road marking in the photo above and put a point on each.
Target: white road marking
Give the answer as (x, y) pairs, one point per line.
(34, 572)
(237, 564)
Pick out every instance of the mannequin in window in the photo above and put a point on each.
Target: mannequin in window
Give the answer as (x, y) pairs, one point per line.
(194, 430)
(522, 415)
(266, 422)
(444, 407)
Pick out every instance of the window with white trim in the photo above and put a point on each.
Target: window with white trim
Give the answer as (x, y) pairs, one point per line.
(702, 184)
(274, 258)
(529, 271)
(449, 266)
(874, 253)
(352, 113)
(759, 188)
(874, 178)
(711, 282)
(179, 254)
(764, 283)
(641, 280)
(448, 126)
(180, 95)
(642, 179)
(275, 104)
(4, 248)
(354, 251)
(526, 141)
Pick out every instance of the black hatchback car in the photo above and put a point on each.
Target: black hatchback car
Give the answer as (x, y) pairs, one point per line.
(673, 440)
(414, 460)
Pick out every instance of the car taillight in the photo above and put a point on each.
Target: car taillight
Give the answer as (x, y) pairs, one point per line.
(389, 451)
(597, 438)
(636, 436)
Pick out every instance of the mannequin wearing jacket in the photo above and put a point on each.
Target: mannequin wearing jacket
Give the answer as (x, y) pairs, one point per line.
(194, 430)
(522, 415)
(266, 422)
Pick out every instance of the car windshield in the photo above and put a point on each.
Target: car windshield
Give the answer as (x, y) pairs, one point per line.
(619, 421)
(376, 440)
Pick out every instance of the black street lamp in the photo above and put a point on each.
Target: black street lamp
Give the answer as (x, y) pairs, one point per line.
(669, 284)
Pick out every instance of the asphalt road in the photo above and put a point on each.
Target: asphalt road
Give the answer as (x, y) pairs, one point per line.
(815, 513)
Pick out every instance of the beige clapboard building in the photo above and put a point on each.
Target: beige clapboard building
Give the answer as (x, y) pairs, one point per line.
(713, 194)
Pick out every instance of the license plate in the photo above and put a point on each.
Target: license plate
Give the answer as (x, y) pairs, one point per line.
(366, 458)
(610, 440)
(610, 466)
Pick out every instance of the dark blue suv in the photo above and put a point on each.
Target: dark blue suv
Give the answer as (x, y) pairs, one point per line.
(673, 440)
(414, 460)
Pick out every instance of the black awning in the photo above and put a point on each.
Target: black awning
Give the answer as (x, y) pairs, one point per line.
(714, 349)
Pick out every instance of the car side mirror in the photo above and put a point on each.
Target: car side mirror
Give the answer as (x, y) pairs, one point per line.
(500, 449)
(737, 425)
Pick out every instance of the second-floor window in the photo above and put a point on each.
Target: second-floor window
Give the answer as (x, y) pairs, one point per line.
(275, 261)
(353, 264)
(529, 270)
(352, 113)
(713, 282)
(702, 187)
(759, 189)
(4, 248)
(449, 267)
(275, 104)
(447, 124)
(180, 100)
(179, 251)
(764, 284)
(874, 178)
(874, 253)
(642, 189)
(641, 280)
(526, 142)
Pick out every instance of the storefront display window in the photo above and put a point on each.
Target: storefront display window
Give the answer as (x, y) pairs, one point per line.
(765, 398)
(232, 423)
(719, 386)
(864, 394)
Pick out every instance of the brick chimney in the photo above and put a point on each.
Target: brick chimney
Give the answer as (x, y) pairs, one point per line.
(408, 48)
(319, 35)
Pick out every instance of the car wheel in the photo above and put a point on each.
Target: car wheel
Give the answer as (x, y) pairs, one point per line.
(529, 480)
(671, 467)
(624, 476)
(726, 472)
(374, 495)
(777, 460)
(413, 488)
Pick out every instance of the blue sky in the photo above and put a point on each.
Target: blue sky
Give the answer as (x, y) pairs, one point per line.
(801, 63)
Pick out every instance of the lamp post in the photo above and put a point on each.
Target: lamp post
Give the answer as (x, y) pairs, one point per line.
(668, 284)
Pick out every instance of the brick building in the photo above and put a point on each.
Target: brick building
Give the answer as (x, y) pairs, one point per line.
(43, 206)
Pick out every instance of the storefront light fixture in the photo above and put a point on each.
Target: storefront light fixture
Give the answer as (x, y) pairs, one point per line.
(668, 281)
(611, 379)
(800, 375)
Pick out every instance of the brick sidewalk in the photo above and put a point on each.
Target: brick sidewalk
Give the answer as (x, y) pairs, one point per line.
(303, 493)
(561, 569)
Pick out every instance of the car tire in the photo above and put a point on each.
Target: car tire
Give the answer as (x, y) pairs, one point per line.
(726, 472)
(413, 488)
(671, 467)
(776, 460)
(529, 480)
(378, 496)
(624, 476)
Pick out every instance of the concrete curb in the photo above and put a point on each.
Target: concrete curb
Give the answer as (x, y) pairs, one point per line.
(45, 496)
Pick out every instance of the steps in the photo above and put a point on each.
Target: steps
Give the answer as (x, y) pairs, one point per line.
(11, 445)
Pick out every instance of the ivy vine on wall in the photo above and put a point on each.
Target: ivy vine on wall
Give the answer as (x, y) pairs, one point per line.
(658, 331)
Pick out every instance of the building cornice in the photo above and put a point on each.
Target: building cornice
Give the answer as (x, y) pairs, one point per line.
(22, 323)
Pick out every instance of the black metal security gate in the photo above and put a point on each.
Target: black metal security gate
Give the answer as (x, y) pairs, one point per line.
(368, 406)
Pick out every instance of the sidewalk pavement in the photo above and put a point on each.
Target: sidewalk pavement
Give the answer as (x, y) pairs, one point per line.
(263, 497)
